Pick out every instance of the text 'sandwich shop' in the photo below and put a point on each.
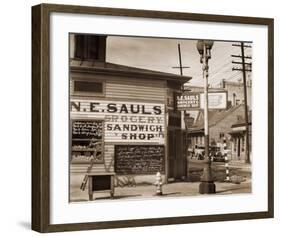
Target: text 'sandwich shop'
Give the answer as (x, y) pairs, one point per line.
(123, 121)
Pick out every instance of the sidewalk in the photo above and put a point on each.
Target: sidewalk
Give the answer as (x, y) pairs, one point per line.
(169, 190)
(241, 165)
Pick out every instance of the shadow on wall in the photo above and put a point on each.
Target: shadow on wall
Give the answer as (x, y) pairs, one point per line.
(132, 180)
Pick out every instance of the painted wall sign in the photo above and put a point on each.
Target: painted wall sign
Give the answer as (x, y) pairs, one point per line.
(124, 121)
(195, 101)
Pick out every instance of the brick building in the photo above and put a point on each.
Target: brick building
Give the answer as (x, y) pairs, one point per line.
(235, 90)
(220, 123)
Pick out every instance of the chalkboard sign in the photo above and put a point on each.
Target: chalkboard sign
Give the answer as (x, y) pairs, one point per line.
(139, 159)
(87, 141)
(87, 129)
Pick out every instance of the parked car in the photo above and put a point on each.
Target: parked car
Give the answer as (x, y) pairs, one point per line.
(215, 153)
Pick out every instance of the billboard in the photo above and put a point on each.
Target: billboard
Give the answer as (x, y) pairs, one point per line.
(216, 100)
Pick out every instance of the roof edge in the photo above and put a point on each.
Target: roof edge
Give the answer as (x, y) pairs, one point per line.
(131, 72)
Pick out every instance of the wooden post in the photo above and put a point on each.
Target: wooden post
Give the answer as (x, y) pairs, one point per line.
(90, 188)
(179, 49)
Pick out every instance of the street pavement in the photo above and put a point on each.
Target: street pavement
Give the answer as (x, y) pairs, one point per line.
(189, 187)
(174, 189)
(195, 170)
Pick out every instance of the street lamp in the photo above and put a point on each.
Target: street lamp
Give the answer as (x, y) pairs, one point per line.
(207, 183)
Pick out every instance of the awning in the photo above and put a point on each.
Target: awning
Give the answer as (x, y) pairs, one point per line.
(237, 132)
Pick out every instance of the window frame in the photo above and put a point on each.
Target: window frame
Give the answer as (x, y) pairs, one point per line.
(84, 93)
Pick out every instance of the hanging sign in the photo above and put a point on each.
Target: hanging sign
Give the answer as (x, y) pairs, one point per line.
(195, 101)
(190, 101)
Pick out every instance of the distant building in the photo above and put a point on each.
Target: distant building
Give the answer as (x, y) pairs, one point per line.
(228, 124)
(220, 123)
(238, 139)
(235, 91)
(224, 125)
(199, 89)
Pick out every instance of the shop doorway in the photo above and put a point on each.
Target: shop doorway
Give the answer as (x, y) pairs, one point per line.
(238, 148)
(177, 157)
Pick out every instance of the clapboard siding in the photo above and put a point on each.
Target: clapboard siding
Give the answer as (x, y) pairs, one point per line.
(107, 166)
(130, 89)
(125, 127)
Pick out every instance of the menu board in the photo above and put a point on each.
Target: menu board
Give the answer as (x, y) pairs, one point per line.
(139, 159)
(87, 129)
(87, 145)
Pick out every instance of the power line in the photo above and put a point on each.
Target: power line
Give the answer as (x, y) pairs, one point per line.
(234, 76)
(244, 70)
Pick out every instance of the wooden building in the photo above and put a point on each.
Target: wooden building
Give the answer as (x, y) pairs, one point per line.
(123, 119)
(238, 139)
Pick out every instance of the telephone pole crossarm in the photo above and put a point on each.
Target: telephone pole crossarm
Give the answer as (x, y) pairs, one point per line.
(241, 63)
(241, 69)
(239, 56)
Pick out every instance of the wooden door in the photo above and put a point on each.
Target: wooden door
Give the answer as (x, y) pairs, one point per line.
(177, 167)
(171, 153)
(238, 148)
(178, 162)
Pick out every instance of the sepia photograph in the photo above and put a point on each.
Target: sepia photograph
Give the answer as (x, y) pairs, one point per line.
(158, 117)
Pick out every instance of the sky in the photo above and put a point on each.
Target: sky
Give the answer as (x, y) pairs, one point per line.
(162, 55)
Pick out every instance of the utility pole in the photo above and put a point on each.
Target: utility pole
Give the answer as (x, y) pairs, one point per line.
(183, 112)
(244, 70)
(182, 87)
(180, 62)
